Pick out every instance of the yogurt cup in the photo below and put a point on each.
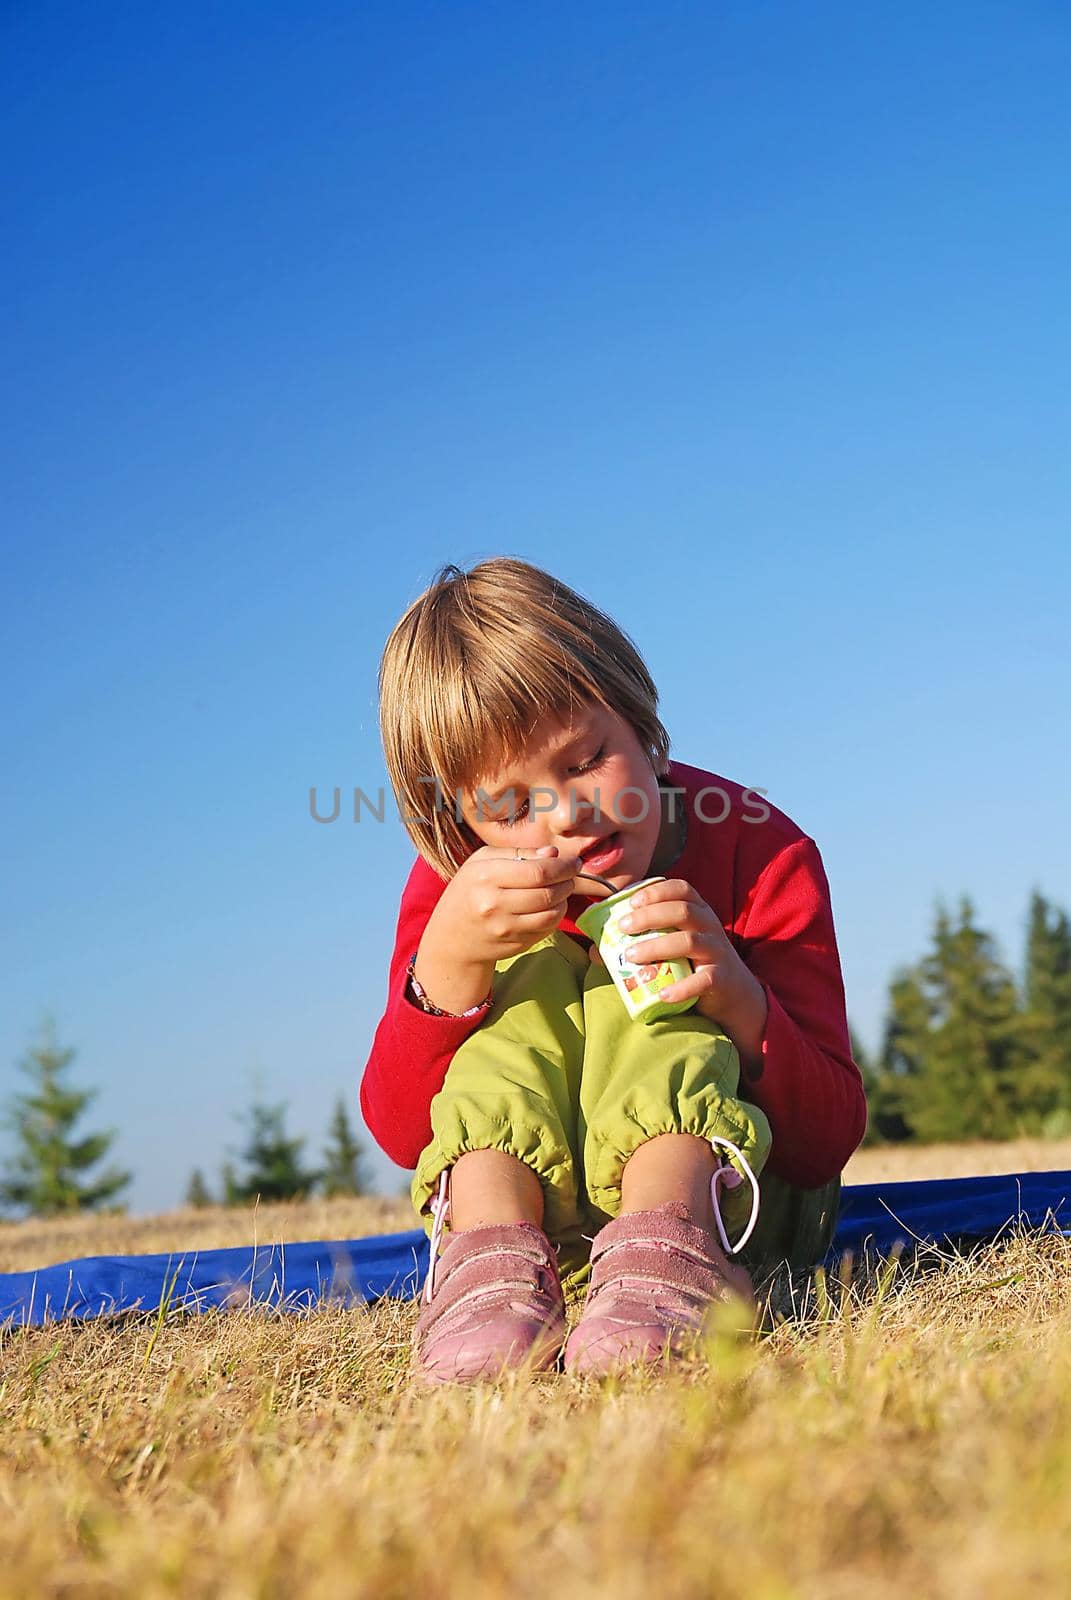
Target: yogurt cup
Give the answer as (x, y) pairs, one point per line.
(639, 985)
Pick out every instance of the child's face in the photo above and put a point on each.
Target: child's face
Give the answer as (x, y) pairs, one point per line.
(569, 773)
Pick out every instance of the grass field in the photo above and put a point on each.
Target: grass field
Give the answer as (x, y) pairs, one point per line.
(910, 1435)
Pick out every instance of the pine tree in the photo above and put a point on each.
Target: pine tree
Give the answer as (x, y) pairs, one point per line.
(907, 1027)
(49, 1172)
(342, 1173)
(228, 1182)
(1045, 1083)
(273, 1164)
(870, 1076)
(954, 1050)
(859, 1054)
(197, 1191)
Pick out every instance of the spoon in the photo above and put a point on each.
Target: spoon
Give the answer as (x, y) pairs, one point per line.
(593, 877)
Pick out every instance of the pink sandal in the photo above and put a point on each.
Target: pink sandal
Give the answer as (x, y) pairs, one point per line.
(492, 1303)
(655, 1275)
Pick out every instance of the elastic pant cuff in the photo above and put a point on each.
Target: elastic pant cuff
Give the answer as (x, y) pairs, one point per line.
(710, 1114)
(553, 1166)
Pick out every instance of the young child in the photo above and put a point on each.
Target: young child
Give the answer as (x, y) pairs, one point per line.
(523, 744)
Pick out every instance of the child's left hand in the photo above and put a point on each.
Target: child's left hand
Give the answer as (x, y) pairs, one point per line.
(728, 993)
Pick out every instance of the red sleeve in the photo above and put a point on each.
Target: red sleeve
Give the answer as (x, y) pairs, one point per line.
(411, 1049)
(806, 1082)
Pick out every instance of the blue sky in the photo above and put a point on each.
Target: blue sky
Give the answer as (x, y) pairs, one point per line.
(749, 320)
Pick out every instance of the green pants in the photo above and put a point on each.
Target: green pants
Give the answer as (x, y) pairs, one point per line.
(559, 1076)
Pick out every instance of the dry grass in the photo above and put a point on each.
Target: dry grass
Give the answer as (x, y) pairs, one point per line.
(911, 1438)
(893, 1163)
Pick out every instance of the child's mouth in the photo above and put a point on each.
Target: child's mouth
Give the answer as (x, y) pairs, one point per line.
(604, 856)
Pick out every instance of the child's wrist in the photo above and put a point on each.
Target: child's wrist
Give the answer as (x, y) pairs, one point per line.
(742, 1013)
(461, 993)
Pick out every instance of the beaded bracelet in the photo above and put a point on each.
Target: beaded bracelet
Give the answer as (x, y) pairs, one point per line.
(417, 992)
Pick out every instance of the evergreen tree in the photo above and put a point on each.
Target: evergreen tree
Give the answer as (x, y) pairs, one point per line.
(859, 1054)
(50, 1170)
(907, 1023)
(273, 1161)
(871, 1077)
(954, 1051)
(342, 1173)
(197, 1191)
(1045, 1083)
(228, 1181)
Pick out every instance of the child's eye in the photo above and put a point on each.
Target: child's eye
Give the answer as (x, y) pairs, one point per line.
(514, 815)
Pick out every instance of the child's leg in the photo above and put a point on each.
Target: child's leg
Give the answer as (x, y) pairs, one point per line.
(491, 1186)
(504, 1122)
(504, 1139)
(671, 1168)
(655, 1099)
(794, 1225)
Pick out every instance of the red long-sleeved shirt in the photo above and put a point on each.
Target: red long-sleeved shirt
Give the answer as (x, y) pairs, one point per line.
(764, 879)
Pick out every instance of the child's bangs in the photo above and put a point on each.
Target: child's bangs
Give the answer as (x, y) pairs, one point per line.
(502, 706)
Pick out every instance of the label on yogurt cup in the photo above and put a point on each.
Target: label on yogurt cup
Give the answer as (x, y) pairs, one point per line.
(638, 984)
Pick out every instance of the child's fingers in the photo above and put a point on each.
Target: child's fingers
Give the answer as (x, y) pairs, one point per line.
(545, 865)
(509, 852)
(541, 901)
(491, 852)
(527, 874)
(595, 955)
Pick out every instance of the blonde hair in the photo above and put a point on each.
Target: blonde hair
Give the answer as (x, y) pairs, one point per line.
(473, 667)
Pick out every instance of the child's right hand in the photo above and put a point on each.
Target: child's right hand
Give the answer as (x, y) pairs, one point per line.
(496, 905)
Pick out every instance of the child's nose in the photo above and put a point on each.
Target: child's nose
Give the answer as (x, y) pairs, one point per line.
(573, 810)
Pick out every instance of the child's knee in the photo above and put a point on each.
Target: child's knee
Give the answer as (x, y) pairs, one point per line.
(691, 1088)
(514, 1084)
(523, 1063)
(510, 1118)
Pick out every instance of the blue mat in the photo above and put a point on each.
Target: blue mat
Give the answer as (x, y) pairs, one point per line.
(942, 1209)
(296, 1277)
